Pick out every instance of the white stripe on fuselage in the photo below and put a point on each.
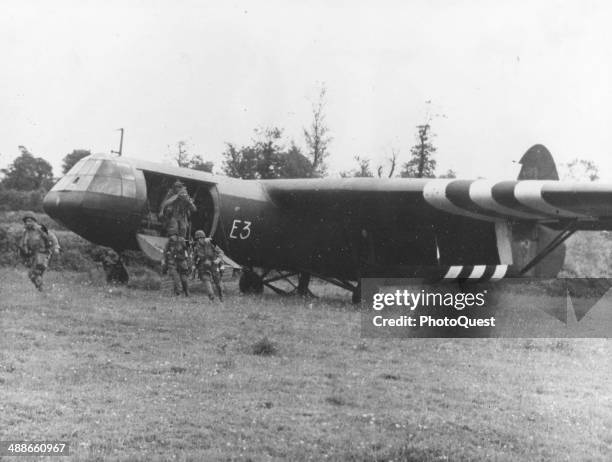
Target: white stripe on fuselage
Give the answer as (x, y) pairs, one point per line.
(453, 272)
(529, 193)
(500, 272)
(477, 272)
(434, 193)
(481, 193)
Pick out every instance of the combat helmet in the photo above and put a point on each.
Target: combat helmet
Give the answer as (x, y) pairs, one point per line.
(29, 215)
(172, 230)
(199, 233)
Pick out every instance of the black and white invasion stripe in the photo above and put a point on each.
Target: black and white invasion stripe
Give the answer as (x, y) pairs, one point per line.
(475, 272)
(537, 200)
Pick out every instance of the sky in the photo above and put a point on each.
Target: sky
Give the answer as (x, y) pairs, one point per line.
(491, 77)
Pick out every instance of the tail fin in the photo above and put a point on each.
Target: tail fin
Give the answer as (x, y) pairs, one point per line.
(538, 164)
(530, 239)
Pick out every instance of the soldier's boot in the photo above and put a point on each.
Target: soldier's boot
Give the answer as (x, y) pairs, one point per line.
(185, 288)
(208, 289)
(211, 295)
(220, 292)
(176, 282)
(35, 278)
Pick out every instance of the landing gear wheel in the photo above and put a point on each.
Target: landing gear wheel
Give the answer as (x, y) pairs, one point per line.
(250, 282)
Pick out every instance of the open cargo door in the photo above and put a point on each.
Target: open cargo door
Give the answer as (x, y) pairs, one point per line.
(153, 247)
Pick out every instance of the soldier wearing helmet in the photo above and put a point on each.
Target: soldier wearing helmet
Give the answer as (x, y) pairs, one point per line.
(208, 260)
(177, 263)
(176, 209)
(113, 267)
(36, 246)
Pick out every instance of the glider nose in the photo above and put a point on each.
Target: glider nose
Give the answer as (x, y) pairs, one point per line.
(101, 199)
(61, 210)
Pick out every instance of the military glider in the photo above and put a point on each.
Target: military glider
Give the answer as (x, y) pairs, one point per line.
(343, 229)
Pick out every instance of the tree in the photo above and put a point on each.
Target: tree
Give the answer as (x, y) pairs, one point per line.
(392, 164)
(266, 158)
(197, 163)
(422, 164)
(269, 150)
(450, 173)
(28, 173)
(71, 159)
(295, 164)
(363, 169)
(581, 170)
(184, 159)
(317, 138)
(240, 163)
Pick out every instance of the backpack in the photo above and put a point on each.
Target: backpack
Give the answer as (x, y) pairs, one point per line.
(52, 240)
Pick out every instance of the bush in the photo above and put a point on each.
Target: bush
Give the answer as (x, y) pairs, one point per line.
(72, 260)
(588, 255)
(7, 247)
(14, 218)
(13, 199)
(77, 253)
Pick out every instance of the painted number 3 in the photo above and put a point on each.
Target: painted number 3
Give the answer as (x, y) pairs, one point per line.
(240, 229)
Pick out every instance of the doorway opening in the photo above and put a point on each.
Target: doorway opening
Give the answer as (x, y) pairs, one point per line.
(204, 196)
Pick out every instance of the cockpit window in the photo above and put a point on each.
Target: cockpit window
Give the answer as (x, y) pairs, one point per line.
(90, 167)
(78, 166)
(106, 185)
(109, 168)
(100, 175)
(126, 171)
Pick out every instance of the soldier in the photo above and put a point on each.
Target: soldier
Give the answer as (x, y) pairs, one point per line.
(177, 263)
(113, 268)
(176, 208)
(36, 247)
(208, 259)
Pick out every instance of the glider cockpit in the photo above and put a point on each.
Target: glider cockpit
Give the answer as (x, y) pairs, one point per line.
(109, 200)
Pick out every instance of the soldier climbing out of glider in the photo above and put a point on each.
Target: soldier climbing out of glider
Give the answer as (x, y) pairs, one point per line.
(176, 209)
(208, 260)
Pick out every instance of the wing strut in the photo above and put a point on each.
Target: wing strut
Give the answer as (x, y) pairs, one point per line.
(570, 229)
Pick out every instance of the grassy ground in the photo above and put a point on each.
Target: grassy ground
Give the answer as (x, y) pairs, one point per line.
(127, 374)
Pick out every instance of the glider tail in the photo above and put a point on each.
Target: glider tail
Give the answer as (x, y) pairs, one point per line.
(538, 164)
(529, 239)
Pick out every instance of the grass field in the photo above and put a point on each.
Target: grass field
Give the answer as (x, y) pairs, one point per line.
(127, 374)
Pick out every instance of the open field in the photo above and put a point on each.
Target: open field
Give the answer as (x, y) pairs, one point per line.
(127, 374)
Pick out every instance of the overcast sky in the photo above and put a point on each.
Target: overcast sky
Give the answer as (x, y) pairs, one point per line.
(500, 75)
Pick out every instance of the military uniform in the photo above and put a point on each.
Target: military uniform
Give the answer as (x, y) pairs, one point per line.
(36, 247)
(208, 259)
(176, 209)
(177, 263)
(113, 268)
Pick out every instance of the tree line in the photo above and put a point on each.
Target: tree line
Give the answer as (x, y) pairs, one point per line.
(268, 156)
(25, 181)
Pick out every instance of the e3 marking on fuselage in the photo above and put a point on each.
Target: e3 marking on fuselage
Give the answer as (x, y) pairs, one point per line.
(241, 229)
